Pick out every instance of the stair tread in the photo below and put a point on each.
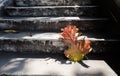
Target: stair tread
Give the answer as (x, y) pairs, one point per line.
(47, 36)
(48, 63)
(13, 7)
(51, 18)
(47, 42)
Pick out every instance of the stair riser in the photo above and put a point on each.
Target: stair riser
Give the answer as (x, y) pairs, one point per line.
(51, 2)
(51, 46)
(70, 11)
(37, 25)
(31, 46)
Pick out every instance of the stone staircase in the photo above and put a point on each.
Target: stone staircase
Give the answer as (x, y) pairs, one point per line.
(36, 24)
(33, 26)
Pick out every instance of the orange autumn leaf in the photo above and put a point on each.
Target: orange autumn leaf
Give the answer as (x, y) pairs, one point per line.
(76, 49)
(69, 32)
(84, 46)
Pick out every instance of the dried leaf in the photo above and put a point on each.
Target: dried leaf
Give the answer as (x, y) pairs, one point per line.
(10, 31)
(84, 46)
(69, 32)
(73, 53)
(76, 50)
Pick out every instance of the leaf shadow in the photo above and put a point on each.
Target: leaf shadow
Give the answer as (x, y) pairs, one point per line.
(84, 64)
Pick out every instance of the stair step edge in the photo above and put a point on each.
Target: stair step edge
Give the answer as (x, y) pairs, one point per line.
(43, 36)
(50, 7)
(50, 18)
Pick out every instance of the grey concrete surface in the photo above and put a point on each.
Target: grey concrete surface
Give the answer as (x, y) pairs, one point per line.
(51, 2)
(53, 65)
(56, 11)
(46, 42)
(51, 23)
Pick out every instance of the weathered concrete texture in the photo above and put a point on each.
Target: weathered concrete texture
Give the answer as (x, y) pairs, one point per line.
(6, 3)
(50, 46)
(2, 2)
(51, 23)
(22, 42)
(46, 42)
(52, 2)
(87, 11)
(31, 46)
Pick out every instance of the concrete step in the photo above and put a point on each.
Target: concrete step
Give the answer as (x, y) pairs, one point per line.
(47, 42)
(22, 42)
(51, 23)
(42, 64)
(53, 2)
(89, 11)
